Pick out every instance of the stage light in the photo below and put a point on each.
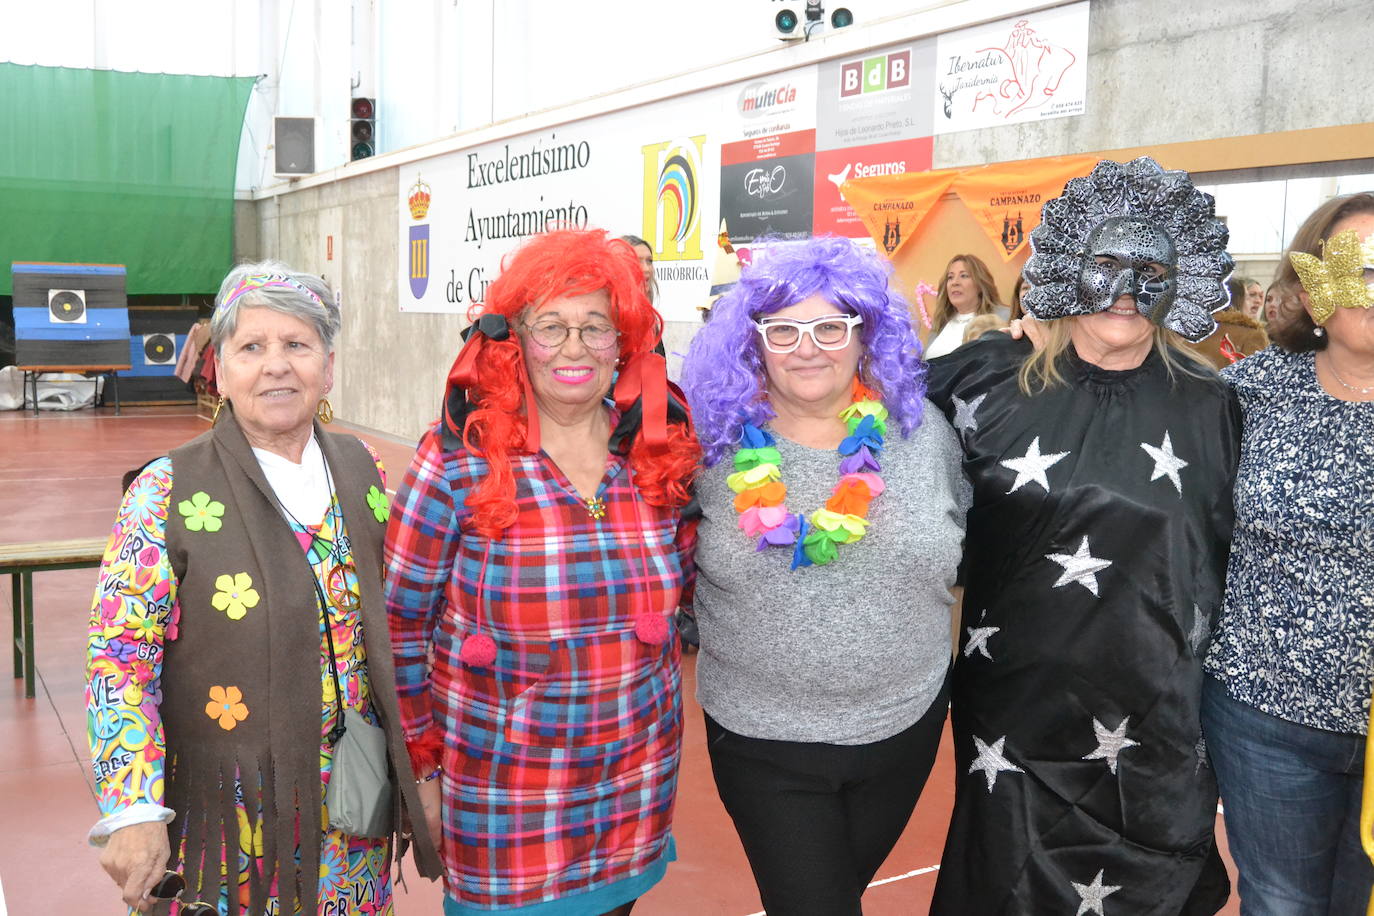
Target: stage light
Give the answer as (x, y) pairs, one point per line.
(786, 22)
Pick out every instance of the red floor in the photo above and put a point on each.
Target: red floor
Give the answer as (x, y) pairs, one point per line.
(59, 478)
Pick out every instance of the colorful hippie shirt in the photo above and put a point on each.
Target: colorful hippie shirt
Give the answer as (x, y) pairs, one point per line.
(136, 615)
(1093, 571)
(560, 756)
(1296, 638)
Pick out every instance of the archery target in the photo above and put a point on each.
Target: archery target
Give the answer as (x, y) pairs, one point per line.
(67, 306)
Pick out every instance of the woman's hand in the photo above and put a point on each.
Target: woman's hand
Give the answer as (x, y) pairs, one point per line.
(136, 858)
(1028, 327)
(432, 801)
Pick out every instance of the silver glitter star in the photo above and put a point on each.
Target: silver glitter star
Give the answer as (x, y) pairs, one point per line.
(964, 411)
(978, 641)
(1031, 466)
(1167, 464)
(991, 761)
(1202, 629)
(1093, 894)
(1110, 742)
(1081, 567)
(1200, 749)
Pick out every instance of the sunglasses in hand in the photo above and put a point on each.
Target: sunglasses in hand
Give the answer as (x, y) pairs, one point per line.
(171, 887)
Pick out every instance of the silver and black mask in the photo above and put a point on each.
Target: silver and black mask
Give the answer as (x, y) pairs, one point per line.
(1129, 257)
(1131, 229)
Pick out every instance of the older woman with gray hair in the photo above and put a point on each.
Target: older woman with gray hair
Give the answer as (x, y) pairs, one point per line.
(238, 619)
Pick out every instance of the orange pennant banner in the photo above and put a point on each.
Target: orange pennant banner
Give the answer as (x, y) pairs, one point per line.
(893, 206)
(1006, 198)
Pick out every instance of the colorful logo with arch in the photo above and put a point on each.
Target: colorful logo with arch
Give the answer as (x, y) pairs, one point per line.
(672, 198)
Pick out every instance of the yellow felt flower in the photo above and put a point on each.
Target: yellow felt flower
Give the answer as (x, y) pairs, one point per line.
(756, 476)
(850, 526)
(874, 409)
(234, 595)
(1336, 280)
(226, 705)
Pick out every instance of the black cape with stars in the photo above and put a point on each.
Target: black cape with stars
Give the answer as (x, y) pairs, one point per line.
(1093, 569)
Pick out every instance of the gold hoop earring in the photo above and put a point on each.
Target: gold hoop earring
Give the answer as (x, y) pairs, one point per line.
(219, 405)
(325, 411)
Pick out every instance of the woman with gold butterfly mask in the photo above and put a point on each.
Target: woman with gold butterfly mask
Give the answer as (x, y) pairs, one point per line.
(1286, 707)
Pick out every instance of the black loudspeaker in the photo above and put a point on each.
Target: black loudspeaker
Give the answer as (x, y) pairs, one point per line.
(295, 145)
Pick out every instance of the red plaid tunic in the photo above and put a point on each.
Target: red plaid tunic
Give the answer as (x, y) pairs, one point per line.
(560, 760)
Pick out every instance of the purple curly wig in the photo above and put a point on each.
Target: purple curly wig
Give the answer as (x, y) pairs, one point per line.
(723, 376)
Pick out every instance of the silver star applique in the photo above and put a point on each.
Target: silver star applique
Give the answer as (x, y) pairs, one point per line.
(1202, 629)
(1110, 742)
(1167, 464)
(991, 761)
(978, 641)
(1031, 466)
(1200, 749)
(1093, 894)
(964, 419)
(1081, 567)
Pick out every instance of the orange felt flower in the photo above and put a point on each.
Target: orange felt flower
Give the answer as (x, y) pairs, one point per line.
(863, 393)
(770, 494)
(851, 497)
(226, 705)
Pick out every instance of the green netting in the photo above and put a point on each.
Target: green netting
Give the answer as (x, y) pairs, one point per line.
(105, 167)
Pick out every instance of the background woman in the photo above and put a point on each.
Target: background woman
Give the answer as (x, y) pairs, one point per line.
(537, 554)
(823, 604)
(966, 290)
(1286, 706)
(238, 614)
(1101, 467)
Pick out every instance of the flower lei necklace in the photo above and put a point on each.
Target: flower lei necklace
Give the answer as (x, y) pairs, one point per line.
(759, 490)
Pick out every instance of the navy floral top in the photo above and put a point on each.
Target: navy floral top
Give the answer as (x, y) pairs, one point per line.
(1297, 628)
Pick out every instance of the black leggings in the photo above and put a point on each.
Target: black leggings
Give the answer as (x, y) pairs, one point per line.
(817, 820)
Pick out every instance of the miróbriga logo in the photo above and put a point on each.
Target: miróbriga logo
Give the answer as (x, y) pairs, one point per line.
(672, 198)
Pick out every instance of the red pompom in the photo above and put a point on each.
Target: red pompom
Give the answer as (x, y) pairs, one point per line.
(479, 651)
(651, 628)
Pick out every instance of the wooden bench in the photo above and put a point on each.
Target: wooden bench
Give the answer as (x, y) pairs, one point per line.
(21, 561)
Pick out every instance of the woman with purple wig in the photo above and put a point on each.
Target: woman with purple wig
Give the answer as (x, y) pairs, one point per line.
(833, 519)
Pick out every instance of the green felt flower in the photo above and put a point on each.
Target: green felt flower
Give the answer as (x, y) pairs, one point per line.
(201, 512)
(377, 502)
(235, 595)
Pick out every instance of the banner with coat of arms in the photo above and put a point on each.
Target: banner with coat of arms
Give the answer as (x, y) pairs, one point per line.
(1006, 198)
(893, 206)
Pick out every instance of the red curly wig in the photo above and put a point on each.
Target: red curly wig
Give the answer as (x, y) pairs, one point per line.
(565, 262)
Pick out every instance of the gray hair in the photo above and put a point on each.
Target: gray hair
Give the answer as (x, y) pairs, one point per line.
(318, 307)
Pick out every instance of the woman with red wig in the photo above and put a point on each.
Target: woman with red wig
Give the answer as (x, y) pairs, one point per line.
(537, 551)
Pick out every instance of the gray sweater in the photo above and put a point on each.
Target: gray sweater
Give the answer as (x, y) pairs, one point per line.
(848, 653)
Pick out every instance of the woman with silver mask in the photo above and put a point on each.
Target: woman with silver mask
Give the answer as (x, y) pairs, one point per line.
(1102, 462)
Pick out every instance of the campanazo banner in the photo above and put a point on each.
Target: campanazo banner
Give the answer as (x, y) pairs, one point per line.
(1026, 68)
(650, 173)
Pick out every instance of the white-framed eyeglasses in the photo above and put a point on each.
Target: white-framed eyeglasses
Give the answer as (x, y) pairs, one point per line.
(828, 332)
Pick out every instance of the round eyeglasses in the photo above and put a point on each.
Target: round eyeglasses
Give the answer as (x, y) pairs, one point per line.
(828, 332)
(551, 334)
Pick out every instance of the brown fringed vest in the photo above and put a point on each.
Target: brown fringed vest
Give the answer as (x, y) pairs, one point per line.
(260, 673)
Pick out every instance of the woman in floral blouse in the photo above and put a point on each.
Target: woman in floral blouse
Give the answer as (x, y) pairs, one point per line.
(1286, 706)
(238, 615)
